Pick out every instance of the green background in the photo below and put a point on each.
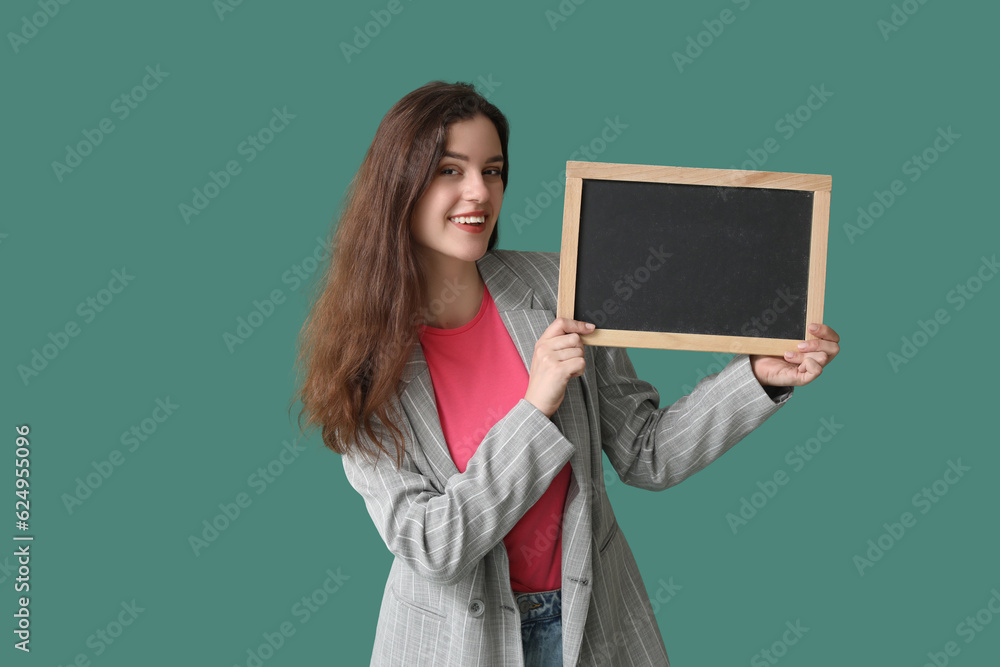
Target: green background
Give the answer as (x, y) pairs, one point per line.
(162, 336)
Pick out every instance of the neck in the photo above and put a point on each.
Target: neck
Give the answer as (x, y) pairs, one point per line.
(454, 294)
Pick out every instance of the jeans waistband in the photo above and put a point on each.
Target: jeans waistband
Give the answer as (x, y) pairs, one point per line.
(540, 605)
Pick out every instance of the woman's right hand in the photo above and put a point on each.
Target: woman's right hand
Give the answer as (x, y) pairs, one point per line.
(558, 357)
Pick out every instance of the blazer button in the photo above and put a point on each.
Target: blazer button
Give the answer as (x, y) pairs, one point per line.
(476, 608)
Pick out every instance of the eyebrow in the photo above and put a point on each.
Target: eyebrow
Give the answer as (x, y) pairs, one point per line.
(459, 156)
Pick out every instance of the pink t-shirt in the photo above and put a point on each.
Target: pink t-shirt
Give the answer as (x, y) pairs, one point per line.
(478, 376)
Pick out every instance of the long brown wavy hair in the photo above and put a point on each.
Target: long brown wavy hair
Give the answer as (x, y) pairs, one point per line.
(368, 306)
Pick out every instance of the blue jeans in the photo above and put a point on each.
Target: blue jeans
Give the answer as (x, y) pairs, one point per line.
(541, 628)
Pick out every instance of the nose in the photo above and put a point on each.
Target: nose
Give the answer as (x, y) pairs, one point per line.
(475, 188)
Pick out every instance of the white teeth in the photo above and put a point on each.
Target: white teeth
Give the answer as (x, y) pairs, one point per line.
(469, 219)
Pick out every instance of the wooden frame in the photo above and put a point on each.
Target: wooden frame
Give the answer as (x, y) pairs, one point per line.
(577, 172)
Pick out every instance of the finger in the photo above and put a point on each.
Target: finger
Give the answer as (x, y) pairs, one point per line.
(558, 354)
(822, 358)
(819, 345)
(797, 357)
(810, 369)
(567, 341)
(578, 368)
(823, 331)
(567, 351)
(564, 325)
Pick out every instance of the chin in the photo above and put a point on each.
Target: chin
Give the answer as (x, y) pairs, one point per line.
(472, 255)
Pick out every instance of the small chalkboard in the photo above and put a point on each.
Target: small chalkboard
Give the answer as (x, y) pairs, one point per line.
(679, 258)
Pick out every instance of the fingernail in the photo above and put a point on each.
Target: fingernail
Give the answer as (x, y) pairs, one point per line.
(789, 354)
(590, 325)
(802, 346)
(814, 327)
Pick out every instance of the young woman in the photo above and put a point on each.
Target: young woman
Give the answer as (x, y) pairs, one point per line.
(472, 421)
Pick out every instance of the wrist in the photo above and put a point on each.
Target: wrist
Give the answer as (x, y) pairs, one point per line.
(537, 407)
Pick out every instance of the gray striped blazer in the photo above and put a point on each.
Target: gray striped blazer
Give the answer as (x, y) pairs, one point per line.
(448, 600)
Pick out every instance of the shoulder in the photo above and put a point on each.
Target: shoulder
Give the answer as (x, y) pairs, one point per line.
(538, 269)
(530, 261)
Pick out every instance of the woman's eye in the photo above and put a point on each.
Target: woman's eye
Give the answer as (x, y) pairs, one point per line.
(451, 171)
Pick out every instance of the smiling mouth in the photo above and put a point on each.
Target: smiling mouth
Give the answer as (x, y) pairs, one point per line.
(469, 219)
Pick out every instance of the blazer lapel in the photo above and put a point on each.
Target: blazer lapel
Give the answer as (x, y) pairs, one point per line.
(421, 411)
(516, 303)
(526, 319)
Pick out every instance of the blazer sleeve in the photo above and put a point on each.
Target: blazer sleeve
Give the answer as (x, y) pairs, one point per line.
(654, 448)
(443, 534)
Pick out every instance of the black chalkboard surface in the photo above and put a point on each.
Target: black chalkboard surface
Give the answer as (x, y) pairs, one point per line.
(710, 259)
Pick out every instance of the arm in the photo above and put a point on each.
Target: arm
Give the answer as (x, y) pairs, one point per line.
(655, 448)
(442, 535)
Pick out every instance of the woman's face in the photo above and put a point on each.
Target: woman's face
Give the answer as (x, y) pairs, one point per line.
(455, 216)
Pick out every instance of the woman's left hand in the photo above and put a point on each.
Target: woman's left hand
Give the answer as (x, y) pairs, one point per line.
(799, 367)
